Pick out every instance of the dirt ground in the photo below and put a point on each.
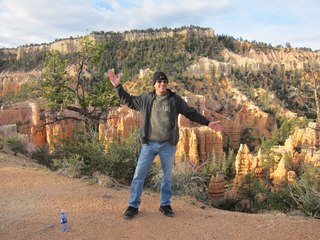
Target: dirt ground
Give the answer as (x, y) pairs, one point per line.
(31, 198)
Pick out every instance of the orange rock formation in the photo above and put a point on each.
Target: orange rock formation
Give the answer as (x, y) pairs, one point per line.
(301, 147)
(216, 188)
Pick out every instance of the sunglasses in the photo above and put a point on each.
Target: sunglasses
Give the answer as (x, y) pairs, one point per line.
(162, 81)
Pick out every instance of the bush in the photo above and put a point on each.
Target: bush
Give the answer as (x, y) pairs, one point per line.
(83, 149)
(305, 191)
(84, 154)
(16, 145)
(229, 203)
(303, 194)
(183, 183)
(121, 159)
(249, 190)
(71, 166)
(42, 155)
(194, 184)
(1, 143)
(276, 200)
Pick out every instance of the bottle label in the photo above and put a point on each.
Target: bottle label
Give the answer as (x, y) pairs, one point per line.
(63, 218)
(63, 221)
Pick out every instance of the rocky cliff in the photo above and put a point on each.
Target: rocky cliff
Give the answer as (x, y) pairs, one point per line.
(147, 35)
(255, 61)
(72, 45)
(12, 82)
(242, 112)
(209, 88)
(66, 46)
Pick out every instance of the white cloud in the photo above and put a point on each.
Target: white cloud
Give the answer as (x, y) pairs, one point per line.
(273, 21)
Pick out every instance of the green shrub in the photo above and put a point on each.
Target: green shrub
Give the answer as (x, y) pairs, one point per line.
(71, 166)
(84, 154)
(255, 196)
(252, 190)
(194, 184)
(183, 182)
(43, 156)
(303, 194)
(229, 203)
(121, 159)
(277, 200)
(83, 147)
(1, 143)
(16, 145)
(228, 164)
(305, 191)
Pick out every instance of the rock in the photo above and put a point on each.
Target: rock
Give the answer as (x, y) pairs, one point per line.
(7, 131)
(216, 188)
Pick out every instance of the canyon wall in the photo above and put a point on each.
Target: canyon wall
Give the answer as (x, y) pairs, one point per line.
(12, 82)
(29, 122)
(139, 35)
(197, 143)
(254, 61)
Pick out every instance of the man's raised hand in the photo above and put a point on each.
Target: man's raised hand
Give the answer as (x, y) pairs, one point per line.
(114, 79)
(216, 126)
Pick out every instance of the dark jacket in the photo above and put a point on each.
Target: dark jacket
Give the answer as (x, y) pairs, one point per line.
(143, 103)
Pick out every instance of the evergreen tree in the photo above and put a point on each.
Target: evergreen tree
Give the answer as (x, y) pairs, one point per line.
(90, 94)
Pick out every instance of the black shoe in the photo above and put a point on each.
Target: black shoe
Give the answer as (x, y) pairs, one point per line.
(130, 212)
(167, 210)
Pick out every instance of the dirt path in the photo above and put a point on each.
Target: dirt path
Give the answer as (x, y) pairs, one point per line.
(31, 198)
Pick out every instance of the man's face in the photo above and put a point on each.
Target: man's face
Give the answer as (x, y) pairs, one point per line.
(161, 87)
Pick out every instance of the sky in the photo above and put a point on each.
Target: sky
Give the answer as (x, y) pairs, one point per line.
(275, 22)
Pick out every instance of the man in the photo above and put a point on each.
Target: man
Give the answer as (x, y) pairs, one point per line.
(159, 135)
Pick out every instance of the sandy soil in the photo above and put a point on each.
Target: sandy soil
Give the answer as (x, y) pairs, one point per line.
(31, 198)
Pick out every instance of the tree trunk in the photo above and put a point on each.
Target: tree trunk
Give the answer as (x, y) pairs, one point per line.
(316, 96)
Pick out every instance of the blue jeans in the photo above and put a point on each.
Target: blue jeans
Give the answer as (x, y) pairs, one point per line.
(148, 153)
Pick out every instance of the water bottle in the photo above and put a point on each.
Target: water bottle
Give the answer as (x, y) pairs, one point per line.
(64, 221)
